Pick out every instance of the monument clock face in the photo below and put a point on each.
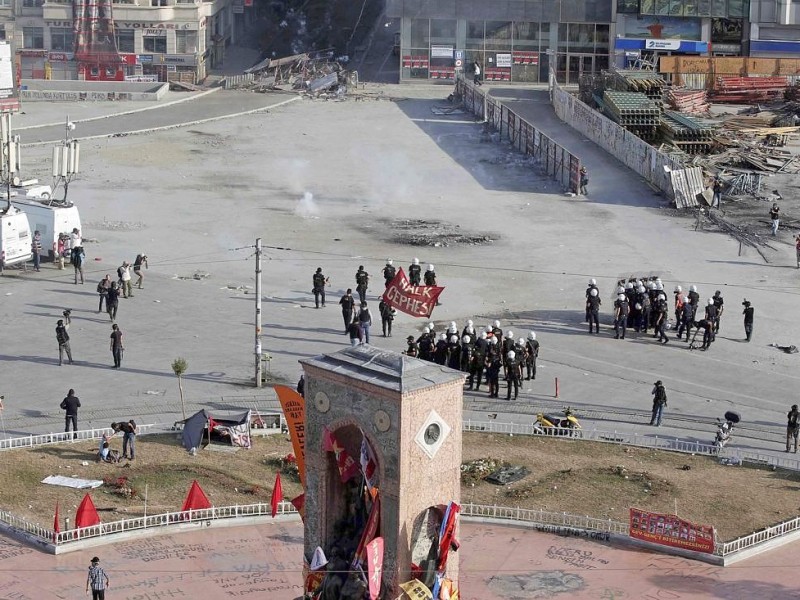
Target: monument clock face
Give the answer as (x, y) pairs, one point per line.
(381, 420)
(322, 402)
(432, 434)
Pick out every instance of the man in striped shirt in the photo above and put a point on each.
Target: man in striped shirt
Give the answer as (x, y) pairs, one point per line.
(96, 580)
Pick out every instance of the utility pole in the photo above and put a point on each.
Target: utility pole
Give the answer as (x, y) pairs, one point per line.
(11, 156)
(258, 313)
(66, 159)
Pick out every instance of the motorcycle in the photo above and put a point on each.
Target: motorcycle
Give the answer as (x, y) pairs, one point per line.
(554, 425)
(725, 429)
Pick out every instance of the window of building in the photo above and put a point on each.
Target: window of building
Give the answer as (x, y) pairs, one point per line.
(186, 41)
(738, 9)
(443, 31)
(61, 39)
(765, 11)
(33, 37)
(158, 3)
(5, 2)
(719, 8)
(125, 40)
(526, 35)
(581, 38)
(628, 6)
(32, 3)
(704, 8)
(2, 31)
(647, 7)
(475, 34)
(420, 33)
(498, 35)
(155, 44)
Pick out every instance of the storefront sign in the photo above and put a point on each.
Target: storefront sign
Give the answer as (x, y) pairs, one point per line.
(144, 59)
(128, 59)
(155, 32)
(188, 60)
(68, 24)
(32, 53)
(727, 48)
(164, 26)
(60, 56)
(669, 530)
(442, 52)
(524, 58)
(662, 44)
(660, 28)
(503, 60)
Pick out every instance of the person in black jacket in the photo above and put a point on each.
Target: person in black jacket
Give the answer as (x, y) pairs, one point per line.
(70, 406)
(414, 272)
(348, 304)
(63, 339)
(319, 281)
(748, 319)
(659, 402)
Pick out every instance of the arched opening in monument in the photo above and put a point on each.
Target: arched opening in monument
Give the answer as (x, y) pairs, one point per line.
(425, 542)
(352, 488)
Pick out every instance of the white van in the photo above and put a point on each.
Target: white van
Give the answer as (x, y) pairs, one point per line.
(15, 238)
(49, 220)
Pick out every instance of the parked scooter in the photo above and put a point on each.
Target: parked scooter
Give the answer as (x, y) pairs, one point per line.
(725, 428)
(554, 425)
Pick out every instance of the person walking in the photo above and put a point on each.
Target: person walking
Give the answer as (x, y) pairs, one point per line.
(584, 181)
(70, 406)
(63, 339)
(387, 317)
(348, 304)
(102, 290)
(362, 283)
(593, 309)
(318, 287)
(78, 258)
(364, 322)
(476, 70)
(659, 402)
(797, 248)
(717, 198)
(389, 272)
(355, 333)
(97, 580)
(124, 273)
(748, 319)
(141, 259)
(36, 249)
(792, 428)
(112, 301)
(115, 345)
(775, 217)
(62, 247)
(129, 431)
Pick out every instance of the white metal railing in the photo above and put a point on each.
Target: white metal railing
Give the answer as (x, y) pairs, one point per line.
(748, 541)
(48, 439)
(543, 517)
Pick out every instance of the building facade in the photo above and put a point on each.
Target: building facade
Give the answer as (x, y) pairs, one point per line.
(155, 39)
(512, 40)
(774, 28)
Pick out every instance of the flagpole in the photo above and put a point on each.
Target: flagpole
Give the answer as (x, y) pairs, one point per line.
(145, 500)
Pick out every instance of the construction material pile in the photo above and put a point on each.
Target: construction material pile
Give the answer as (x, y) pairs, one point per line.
(744, 90)
(646, 82)
(634, 111)
(691, 102)
(690, 135)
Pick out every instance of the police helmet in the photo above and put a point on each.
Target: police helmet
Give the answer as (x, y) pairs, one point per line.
(629, 285)
(493, 341)
(415, 261)
(620, 290)
(510, 335)
(497, 323)
(466, 339)
(662, 296)
(678, 288)
(430, 268)
(532, 335)
(389, 261)
(521, 341)
(482, 335)
(651, 285)
(453, 339)
(710, 302)
(592, 282)
(426, 330)
(621, 297)
(692, 288)
(640, 289)
(659, 286)
(470, 323)
(443, 337)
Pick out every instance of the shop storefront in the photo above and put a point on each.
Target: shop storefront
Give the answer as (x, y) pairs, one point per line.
(646, 36)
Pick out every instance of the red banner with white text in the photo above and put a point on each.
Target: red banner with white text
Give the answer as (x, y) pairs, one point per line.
(669, 530)
(414, 300)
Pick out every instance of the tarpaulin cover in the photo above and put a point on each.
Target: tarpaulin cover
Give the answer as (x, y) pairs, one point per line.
(237, 427)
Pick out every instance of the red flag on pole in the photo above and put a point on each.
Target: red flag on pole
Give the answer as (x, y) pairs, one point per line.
(370, 529)
(300, 504)
(56, 525)
(86, 516)
(414, 300)
(277, 494)
(196, 499)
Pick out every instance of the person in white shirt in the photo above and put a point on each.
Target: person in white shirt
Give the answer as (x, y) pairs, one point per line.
(125, 277)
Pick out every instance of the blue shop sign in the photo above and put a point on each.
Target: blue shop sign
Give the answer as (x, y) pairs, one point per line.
(773, 46)
(661, 45)
(144, 58)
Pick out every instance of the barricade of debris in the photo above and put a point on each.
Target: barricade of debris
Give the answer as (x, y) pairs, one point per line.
(315, 74)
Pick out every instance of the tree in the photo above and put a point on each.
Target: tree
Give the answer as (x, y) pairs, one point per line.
(179, 366)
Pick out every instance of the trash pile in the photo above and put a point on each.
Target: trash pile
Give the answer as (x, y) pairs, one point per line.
(314, 74)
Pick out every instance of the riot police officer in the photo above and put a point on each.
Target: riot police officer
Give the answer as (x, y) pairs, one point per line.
(414, 272)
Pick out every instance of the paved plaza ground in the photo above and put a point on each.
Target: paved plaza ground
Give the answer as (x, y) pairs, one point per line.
(321, 183)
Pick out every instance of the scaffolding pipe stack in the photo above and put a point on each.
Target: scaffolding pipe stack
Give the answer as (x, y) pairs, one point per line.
(634, 111)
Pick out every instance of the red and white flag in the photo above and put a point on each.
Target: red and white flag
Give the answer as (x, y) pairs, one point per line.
(414, 300)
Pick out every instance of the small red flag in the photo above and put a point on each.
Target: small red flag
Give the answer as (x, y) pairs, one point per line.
(196, 499)
(56, 526)
(300, 504)
(277, 494)
(86, 516)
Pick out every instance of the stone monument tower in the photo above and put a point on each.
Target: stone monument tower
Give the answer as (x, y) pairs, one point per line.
(409, 412)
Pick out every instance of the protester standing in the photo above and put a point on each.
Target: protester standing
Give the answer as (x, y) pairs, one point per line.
(348, 304)
(129, 431)
(584, 181)
(775, 217)
(63, 339)
(112, 301)
(476, 70)
(97, 580)
(102, 290)
(364, 322)
(124, 273)
(115, 345)
(659, 402)
(70, 406)
(36, 249)
(78, 256)
(748, 313)
(141, 259)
